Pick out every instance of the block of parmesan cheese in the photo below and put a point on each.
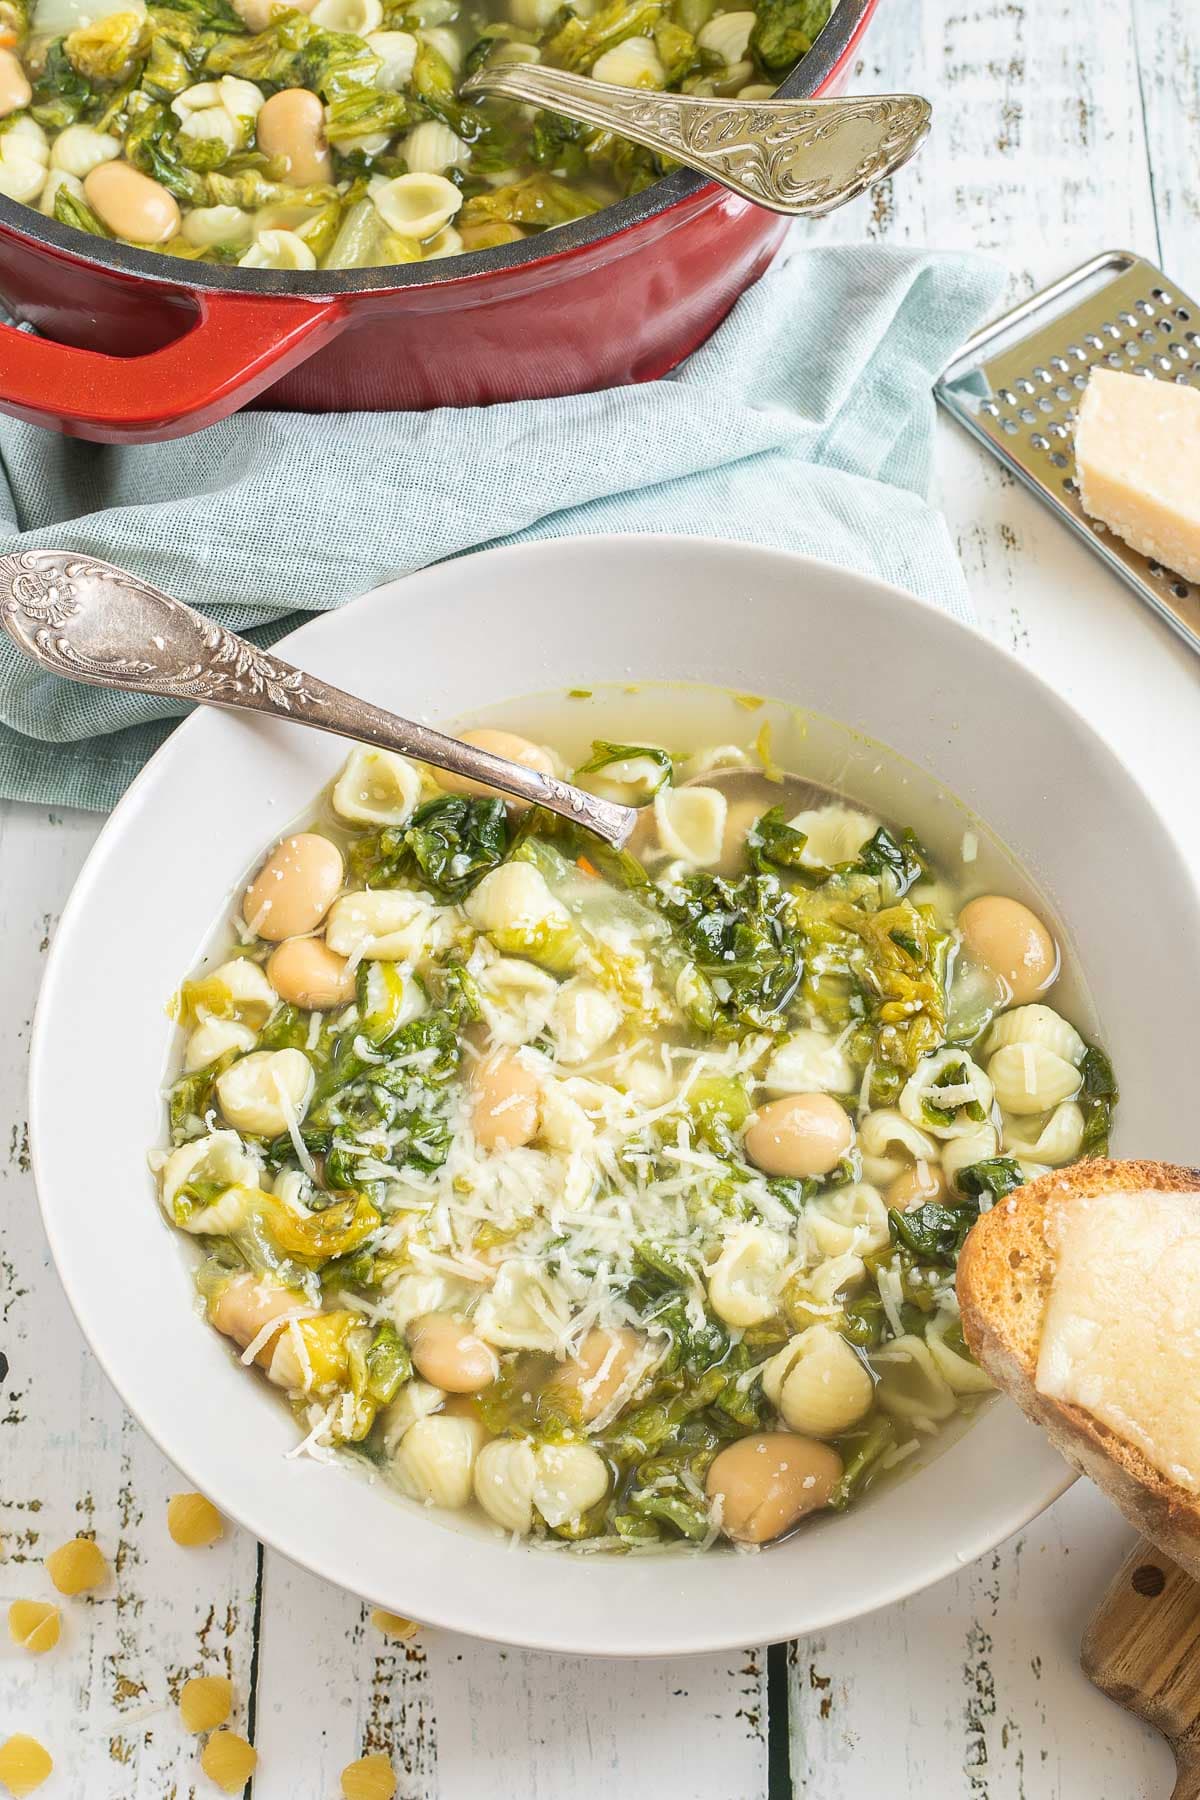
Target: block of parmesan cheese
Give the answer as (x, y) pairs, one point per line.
(1137, 454)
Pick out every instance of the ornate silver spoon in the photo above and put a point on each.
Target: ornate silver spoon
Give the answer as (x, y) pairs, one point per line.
(804, 157)
(93, 622)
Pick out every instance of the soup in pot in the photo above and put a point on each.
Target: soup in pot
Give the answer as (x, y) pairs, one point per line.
(331, 133)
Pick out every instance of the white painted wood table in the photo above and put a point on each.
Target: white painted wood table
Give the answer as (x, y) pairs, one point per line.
(1060, 130)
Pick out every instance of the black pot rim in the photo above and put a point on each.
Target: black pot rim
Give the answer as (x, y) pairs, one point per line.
(671, 190)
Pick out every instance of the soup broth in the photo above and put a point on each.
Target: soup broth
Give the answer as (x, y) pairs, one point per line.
(614, 1199)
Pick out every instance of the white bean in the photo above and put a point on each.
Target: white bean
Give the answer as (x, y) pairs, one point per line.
(762, 1485)
(291, 125)
(130, 204)
(293, 890)
(15, 91)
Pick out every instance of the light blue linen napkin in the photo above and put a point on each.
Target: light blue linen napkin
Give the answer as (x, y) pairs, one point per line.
(805, 423)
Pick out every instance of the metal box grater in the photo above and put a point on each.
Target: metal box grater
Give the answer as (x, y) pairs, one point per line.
(1016, 386)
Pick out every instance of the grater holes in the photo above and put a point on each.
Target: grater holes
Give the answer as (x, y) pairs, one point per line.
(1155, 335)
(1180, 590)
(1156, 569)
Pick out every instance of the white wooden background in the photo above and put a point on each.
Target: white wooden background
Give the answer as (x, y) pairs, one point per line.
(1060, 129)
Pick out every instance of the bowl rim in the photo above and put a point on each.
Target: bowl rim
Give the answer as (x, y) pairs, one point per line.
(681, 191)
(970, 1539)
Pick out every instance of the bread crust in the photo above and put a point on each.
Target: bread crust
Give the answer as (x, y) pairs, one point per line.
(1005, 1272)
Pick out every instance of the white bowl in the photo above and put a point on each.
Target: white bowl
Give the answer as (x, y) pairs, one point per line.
(447, 642)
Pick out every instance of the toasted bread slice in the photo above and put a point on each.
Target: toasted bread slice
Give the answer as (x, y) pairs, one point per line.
(1005, 1278)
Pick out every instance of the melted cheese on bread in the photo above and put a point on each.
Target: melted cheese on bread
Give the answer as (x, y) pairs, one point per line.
(1121, 1336)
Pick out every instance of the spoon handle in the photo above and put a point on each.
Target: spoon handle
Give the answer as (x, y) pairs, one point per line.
(801, 157)
(90, 621)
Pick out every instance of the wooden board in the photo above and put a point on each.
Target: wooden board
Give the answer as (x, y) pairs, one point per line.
(1142, 1649)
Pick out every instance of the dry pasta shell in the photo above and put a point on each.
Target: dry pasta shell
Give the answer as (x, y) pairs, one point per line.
(24, 1765)
(193, 1521)
(392, 1625)
(370, 1778)
(34, 1624)
(206, 1701)
(77, 1567)
(229, 1761)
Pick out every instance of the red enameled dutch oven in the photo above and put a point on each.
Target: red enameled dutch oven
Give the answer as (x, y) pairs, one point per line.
(129, 352)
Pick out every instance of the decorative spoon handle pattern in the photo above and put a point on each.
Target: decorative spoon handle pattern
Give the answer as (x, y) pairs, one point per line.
(90, 621)
(803, 157)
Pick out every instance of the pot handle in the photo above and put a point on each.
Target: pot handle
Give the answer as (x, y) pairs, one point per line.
(238, 345)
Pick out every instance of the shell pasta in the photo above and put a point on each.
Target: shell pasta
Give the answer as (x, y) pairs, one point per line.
(613, 1199)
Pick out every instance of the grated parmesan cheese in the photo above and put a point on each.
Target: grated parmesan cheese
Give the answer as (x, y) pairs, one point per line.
(263, 1336)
